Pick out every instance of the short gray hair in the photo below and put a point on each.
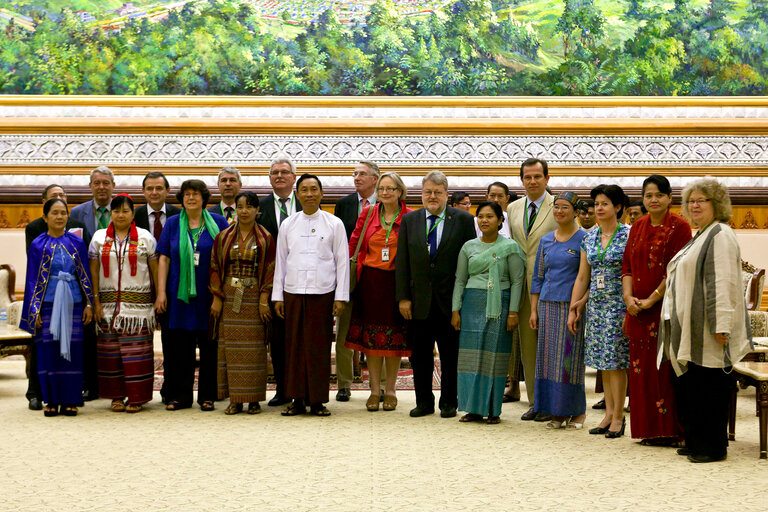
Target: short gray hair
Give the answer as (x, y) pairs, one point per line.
(284, 159)
(713, 190)
(436, 177)
(372, 166)
(398, 183)
(230, 170)
(103, 169)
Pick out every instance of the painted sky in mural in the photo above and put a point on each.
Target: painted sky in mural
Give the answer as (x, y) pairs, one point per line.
(385, 47)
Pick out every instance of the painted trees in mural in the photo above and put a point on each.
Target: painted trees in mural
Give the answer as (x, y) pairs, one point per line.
(386, 47)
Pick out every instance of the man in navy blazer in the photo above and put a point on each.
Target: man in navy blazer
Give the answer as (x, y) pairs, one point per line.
(95, 213)
(230, 182)
(274, 208)
(152, 216)
(425, 270)
(348, 209)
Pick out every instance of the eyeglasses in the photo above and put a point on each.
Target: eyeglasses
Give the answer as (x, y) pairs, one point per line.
(436, 193)
(360, 173)
(279, 173)
(389, 190)
(698, 202)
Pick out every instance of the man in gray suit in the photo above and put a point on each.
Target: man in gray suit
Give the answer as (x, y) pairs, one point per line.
(95, 213)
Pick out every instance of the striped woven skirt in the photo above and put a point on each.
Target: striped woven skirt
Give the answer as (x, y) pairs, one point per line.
(484, 349)
(242, 354)
(61, 381)
(559, 388)
(125, 364)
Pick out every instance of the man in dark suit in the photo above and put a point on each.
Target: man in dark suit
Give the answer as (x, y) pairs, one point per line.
(425, 269)
(274, 209)
(95, 214)
(34, 229)
(230, 182)
(348, 209)
(152, 216)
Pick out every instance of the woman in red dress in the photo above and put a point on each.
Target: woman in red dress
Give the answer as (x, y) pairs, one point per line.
(655, 238)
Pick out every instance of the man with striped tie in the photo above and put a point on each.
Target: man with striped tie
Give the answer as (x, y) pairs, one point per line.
(230, 182)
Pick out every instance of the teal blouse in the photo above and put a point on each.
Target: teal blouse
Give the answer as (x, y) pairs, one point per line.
(511, 270)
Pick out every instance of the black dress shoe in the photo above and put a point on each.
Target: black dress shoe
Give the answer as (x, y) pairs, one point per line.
(35, 404)
(89, 395)
(278, 400)
(447, 411)
(343, 395)
(600, 430)
(705, 458)
(542, 417)
(684, 451)
(419, 411)
(614, 434)
(528, 415)
(600, 404)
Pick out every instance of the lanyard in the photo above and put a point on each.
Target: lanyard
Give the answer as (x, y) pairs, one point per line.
(293, 196)
(391, 224)
(196, 235)
(525, 217)
(439, 219)
(600, 251)
(702, 230)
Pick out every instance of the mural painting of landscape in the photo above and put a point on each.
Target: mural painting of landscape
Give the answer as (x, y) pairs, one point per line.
(385, 47)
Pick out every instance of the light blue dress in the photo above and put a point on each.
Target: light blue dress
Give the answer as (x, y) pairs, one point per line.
(607, 348)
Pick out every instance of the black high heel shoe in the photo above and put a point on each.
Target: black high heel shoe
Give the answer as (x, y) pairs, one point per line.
(612, 434)
(599, 430)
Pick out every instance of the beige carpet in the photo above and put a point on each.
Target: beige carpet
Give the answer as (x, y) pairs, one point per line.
(351, 461)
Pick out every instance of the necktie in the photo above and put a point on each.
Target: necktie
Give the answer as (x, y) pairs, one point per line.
(103, 218)
(432, 237)
(283, 210)
(228, 213)
(157, 229)
(531, 217)
(363, 204)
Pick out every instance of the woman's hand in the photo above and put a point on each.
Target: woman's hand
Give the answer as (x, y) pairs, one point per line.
(264, 312)
(533, 321)
(216, 307)
(338, 307)
(456, 320)
(633, 305)
(98, 309)
(573, 319)
(512, 320)
(280, 309)
(721, 338)
(161, 303)
(645, 303)
(87, 314)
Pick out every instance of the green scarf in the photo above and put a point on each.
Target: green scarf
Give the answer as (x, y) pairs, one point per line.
(187, 286)
(490, 259)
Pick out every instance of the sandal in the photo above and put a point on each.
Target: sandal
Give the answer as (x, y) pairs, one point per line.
(133, 408)
(117, 405)
(470, 417)
(173, 406)
(493, 420)
(68, 410)
(233, 409)
(574, 425)
(373, 403)
(254, 408)
(294, 409)
(321, 410)
(207, 406)
(555, 424)
(390, 403)
(51, 411)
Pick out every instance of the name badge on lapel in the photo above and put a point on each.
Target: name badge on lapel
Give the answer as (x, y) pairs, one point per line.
(197, 258)
(385, 254)
(600, 281)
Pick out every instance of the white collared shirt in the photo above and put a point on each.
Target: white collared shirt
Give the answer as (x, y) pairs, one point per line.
(290, 206)
(504, 231)
(312, 257)
(440, 224)
(151, 216)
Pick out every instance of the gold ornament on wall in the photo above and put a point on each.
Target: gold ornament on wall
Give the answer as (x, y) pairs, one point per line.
(4, 220)
(749, 221)
(23, 220)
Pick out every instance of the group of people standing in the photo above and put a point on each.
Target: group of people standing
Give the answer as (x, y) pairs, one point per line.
(520, 285)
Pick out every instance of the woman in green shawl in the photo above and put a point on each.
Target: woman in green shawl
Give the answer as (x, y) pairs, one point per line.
(182, 288)
(489, 280)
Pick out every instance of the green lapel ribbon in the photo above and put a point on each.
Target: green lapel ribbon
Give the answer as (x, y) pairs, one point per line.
(187, 288)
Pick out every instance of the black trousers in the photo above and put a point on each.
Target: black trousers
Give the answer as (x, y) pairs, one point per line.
(33, 384)
(707, 393)
(164, 337)
(277, 352)
(179, 367)
(422, 336)
(90, 376)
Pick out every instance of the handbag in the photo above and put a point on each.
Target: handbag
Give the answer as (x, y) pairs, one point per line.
(353, 259)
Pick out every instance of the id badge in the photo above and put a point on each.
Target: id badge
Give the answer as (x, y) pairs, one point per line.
(385, 254)
(600, 281)
(197, 258)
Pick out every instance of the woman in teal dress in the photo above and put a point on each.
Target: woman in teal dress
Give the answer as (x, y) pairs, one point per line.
(489, 279)
(607, 348)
